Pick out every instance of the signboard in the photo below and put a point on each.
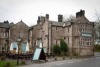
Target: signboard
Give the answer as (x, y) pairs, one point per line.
(86, 35)
(39, 54)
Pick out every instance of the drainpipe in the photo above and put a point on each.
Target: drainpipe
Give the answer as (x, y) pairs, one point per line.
(51, 37)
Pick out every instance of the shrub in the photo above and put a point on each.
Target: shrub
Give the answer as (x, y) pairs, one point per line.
(56, 49)
(64, 46)
(97, 48)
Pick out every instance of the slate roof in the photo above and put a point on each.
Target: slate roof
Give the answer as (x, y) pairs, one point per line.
(37, 26)
(54, 23)
(81, 19)
(4, 25)
(21, 22)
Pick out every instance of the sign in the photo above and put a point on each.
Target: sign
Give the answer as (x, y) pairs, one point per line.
(86, 34)
(39, 54)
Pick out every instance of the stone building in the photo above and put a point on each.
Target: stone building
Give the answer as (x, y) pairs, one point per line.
(9, 33)
(77, 33)
(18, 29)
(4, 35)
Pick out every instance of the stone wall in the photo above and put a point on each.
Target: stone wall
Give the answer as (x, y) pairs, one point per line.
(19, 29)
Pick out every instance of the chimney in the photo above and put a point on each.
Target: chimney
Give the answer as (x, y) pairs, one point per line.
(60, 18)
(6, 21)
(42, 18)
(47, 16)
(38, 21)
(80, 13)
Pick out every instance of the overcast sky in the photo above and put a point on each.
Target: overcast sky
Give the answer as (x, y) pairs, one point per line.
(29, 10)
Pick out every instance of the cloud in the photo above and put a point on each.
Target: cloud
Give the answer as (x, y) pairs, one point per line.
(29, 10)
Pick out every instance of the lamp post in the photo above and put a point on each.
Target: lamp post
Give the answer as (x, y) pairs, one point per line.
(18, 39)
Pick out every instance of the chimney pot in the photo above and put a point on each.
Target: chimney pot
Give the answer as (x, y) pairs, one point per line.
(38, 21)
(60, 18)
(47, 16)
(80, 13)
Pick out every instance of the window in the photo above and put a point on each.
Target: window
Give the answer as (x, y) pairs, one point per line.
(82, 26)
(2, 35)
(80, 29)
(83, 30)
(77, 29)
(90, 43)
(87, 43)
(81, 43)
(31, 33)
(64, 38)
(68, 29)
(56, 28)
(7, 34)
(68, 40)
(56, 42)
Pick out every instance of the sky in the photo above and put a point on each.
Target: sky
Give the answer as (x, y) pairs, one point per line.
(29, 10)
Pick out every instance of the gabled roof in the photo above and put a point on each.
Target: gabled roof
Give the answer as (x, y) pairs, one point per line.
(37, 26)
(56, 23)
(20, 23)
(81, 19)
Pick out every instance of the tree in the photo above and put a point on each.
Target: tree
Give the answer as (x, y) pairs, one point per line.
(56, 49)
(64, 46)
(97, 15)
(69, 18)
(97, 25)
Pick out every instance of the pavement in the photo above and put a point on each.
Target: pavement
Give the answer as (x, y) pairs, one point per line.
(83, 62)
(50, 59)
(67, 62)
(53, 59)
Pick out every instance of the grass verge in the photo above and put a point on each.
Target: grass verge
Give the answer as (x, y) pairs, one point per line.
(12, 63)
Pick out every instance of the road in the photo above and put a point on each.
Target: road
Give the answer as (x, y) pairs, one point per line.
(85, 62)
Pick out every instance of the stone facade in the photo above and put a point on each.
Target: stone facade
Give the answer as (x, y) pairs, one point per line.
(77, 33)
(4, 35)
(9, 33)
(18, 29)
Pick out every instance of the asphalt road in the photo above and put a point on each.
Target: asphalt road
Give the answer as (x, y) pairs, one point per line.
(85, 62)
